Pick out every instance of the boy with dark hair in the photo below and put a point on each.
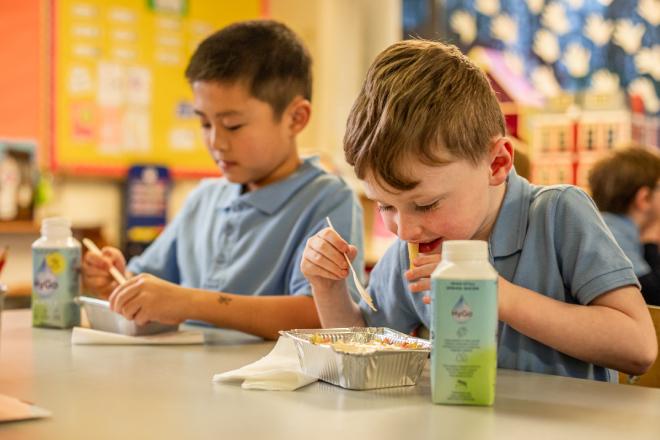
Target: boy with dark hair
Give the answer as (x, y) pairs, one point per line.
(426, 136)
(625, 187)
(231, 257)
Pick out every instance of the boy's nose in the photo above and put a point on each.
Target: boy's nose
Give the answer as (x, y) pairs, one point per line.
(221, 144)
(218, 142)
(407, 228)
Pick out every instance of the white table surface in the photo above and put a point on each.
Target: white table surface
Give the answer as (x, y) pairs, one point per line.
(136, 392)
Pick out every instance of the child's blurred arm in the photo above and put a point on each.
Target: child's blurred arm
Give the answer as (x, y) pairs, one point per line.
(146, 298)
(614, 331)
(96, 276)
(326, 269)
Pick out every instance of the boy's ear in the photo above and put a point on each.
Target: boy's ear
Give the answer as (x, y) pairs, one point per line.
(642, 199)
(300, 110)
(501, 160)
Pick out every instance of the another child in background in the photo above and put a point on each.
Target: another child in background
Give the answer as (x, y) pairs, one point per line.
(231, 257)
(427, 137)
(626, 188)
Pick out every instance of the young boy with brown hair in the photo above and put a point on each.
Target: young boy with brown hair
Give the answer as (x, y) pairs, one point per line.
(427, 137)
(625, 187)
(232, 256)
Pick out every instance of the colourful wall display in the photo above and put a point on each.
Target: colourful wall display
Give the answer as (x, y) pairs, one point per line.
(119, 92)
(22, 85)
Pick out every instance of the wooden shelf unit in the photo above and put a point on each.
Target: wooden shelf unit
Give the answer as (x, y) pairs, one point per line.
(18, 227)
(19, 289)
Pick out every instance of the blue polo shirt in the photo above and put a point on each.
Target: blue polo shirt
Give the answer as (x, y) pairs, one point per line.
(251, 243)
(626, 233)
(551, 240)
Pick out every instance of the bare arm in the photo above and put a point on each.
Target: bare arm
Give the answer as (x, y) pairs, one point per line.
(614, 331)
(336, 308)
(263, 316)
(325, 267)
(146, 298)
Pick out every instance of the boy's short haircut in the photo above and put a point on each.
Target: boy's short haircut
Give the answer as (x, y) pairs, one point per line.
(420, 99)
(264, 54)
(615, 179)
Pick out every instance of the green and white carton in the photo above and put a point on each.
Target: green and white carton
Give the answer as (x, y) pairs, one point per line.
(464, 325)
(55, 276)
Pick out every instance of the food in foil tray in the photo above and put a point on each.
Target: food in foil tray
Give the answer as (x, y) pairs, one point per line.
(361, 358)
(376, 344)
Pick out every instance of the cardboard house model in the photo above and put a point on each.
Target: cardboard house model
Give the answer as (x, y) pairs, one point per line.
(645, 127)
(564, 135)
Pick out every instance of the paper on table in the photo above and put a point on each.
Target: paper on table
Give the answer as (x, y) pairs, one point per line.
(88, 336)
(279, 370)
(12, 409)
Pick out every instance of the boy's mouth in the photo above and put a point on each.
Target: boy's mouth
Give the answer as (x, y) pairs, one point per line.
(428, 247)
(226, 165)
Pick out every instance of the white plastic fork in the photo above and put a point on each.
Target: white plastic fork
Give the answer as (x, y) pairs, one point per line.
(361, 290)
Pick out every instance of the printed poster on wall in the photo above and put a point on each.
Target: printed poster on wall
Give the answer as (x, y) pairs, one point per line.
(120, 94)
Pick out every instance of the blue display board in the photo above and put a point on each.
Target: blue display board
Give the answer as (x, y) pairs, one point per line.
(145, 206)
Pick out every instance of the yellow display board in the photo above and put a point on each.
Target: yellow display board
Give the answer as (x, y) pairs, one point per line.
(119, 92)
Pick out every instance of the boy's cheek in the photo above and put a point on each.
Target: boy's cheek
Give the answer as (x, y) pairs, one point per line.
(390, 224)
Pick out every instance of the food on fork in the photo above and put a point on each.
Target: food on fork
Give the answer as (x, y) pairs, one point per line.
(413, 250)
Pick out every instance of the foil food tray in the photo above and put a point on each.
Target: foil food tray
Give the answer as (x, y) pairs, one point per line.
(377, 368)
(102, 318)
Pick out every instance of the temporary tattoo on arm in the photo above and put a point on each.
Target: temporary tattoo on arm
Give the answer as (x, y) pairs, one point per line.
(224, 299)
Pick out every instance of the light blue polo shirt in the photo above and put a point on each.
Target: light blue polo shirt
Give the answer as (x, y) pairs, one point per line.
(626, 234)
(551, 240)
(252, 243)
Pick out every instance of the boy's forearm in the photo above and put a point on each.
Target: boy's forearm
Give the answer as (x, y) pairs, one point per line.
(262, 316)
(599, 333)
(336, 308)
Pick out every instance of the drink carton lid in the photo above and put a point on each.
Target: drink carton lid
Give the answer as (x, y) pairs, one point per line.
(56, 226)
(464, 250)
(56, 222)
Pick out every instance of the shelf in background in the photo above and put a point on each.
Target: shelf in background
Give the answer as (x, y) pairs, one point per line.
(19, 289)
(18, 227)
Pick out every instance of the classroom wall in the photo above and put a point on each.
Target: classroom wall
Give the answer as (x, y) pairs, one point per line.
(93, 202)
(343, 37)
(19, 115)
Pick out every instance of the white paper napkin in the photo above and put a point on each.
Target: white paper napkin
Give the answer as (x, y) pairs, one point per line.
(279, 370)
(88, 336)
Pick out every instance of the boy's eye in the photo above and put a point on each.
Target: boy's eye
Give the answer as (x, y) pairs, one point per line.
(205, 125)
(234, 127)
(426, 208)
(382, 208)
